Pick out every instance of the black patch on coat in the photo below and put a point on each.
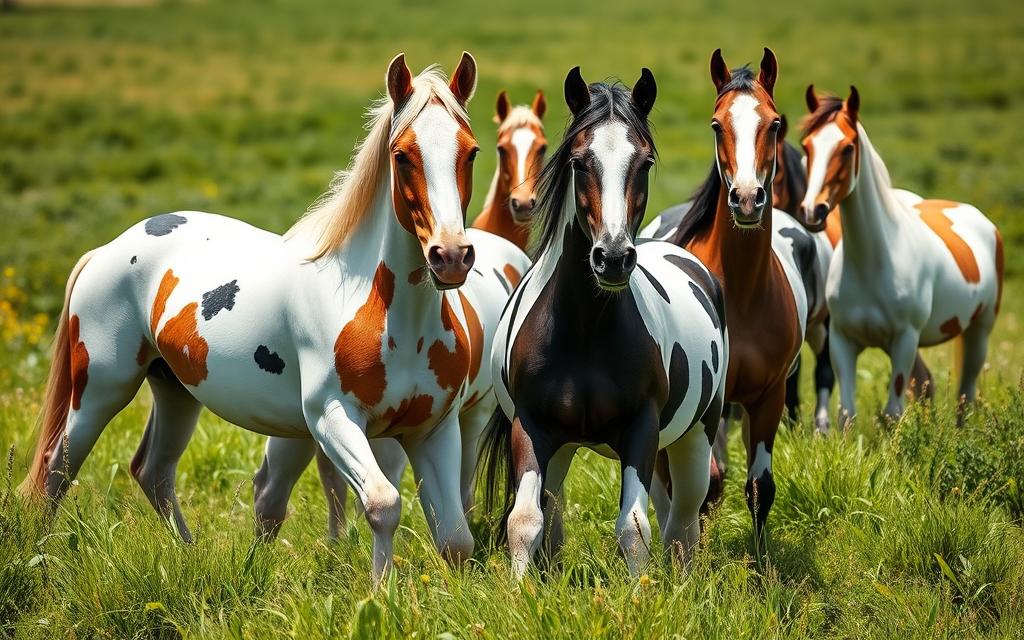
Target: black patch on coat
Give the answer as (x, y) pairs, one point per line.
(709, 286)
(164, 223)
(268, 360)
(711, 419)
(670, 219)
(714, 356)
(806, 254)
(503, 282)
(134, 259)
(657, 285)
(706, 390)
(678, 384)
(223, 297)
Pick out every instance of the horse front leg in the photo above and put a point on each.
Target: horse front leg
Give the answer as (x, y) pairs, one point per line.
(637, 451)
(530, 457)
(845, 352)
(764, 416)
(902, 353)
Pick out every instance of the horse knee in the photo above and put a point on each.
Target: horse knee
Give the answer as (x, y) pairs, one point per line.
(383, 508)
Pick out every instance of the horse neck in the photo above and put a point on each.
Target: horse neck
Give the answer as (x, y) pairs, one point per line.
(496, 217)
(870, 213)
(740, 257)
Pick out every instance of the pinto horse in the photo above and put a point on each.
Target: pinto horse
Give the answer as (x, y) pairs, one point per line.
(788, 189)
(347, 328)
(909, 272)
(509, 205)
(731, 230)
(590, 352)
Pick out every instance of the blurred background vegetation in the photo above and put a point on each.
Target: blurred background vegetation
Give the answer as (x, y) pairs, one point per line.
(113, 111)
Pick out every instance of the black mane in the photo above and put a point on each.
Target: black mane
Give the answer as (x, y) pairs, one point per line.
(795, 176)
(828, 106)
(608, 101)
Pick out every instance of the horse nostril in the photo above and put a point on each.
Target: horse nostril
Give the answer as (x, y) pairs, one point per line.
(515, 203)
(532, 202)
(597, 259)
(734, 197)
(436, 257)
(629, 260)
(820, 211)
(760, 197)
(468, 256)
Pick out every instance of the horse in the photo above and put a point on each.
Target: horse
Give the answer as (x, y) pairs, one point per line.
(605, 344)
(788, 189)
(509, 205)
(909, 272)
(351, 326)
(731, 229)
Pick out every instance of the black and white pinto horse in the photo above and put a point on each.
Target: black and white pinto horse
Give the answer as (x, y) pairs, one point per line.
(605, 344)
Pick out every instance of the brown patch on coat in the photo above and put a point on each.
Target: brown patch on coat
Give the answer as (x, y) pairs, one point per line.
(357, 351)
(1000, 266)
(392, 345)
(183, 348)
(450, 367)
(932, 215)
(476, 337)
(416, 275)
(834, 227)
(951, 327)
(412, 412)
(142, 357)
(167, 285)
(79, 362)
(512, 274)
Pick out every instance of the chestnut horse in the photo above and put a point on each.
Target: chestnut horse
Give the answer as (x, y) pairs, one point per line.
(909, 272)
(345, 329)
(606, 345)
(730, 229)
(509, 205)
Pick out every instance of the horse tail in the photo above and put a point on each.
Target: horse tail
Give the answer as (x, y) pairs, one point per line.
(496, 468)
(57, 401)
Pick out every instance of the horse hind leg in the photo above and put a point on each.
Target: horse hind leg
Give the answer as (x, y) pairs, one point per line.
(172, 421)
(921, 384)
(824, 382)
(974, 350)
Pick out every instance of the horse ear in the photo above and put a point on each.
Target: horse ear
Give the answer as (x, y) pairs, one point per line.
(577, 93)
(769, 71)
(719, 71)
(852, 103)
(540, 105)
(463, 82)
(783, 128)
(399, 80)
(811, 98)
(502, 108)
(645, 91)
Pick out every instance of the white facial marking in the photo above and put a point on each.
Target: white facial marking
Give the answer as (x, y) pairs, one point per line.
(613, 151)
(744, 127)
(435, 131)
(824, 145)
(522, 140)
(762, 461)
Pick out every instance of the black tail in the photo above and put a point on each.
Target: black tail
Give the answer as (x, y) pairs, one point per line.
(495, 468)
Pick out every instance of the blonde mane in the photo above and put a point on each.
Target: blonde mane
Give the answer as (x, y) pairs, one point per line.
(335, 215)
(520, 116)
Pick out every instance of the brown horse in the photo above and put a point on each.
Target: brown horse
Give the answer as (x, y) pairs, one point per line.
(509, 206)
(730, 231)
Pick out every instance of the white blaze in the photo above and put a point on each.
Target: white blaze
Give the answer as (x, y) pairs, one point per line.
(436, 131)
(613, 151)
(745, 120)
(823, 143)
(522, 140)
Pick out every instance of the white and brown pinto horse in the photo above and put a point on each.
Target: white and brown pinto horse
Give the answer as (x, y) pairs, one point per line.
(508, 208)
(732, 229)
(606, 345)
(909, 272)
(347, 328)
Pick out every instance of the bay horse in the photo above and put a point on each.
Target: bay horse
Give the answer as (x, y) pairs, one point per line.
(732, 229)
(909, 272)
(788, 189)
(508, 208)
(617, 347)
(349, 327)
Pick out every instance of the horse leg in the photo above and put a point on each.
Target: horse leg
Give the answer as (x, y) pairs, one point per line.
(553, 501)
(921, 383)
(824, 380)
(844, 353)
(345, 443)
(901, 353)
(975, 350)
(472, 422)
(336, 492)
(440, 495)
(284, 460)
(661, 489)
(793, 393)
(637, 451)
(171, 424)
(765, 413)
(689, 464)
(525, 524)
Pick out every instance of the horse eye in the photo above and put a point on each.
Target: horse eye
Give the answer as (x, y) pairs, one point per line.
(848, 149)
(402, 159)
(472, 154)
(776, 126)
(543, 149)
(716, 126)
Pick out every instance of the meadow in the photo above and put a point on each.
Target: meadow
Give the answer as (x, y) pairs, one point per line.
(111, 112)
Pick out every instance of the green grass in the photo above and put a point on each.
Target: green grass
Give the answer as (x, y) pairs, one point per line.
(110, 114)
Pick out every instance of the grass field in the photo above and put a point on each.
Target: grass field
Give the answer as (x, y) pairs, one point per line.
(111, 113)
